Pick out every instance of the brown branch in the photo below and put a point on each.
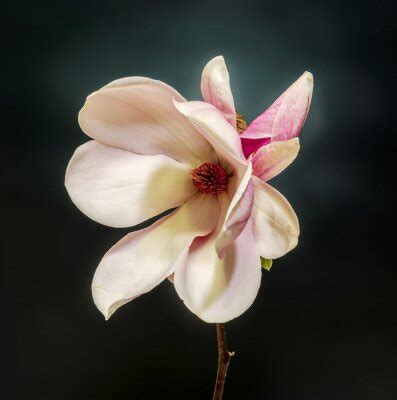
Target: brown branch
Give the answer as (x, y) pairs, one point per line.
(223, 361)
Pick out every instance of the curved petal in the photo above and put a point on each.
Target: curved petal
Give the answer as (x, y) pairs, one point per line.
(137, 114)
(143, 259)
(117, 188)
(273, 158)
(238, 212)
(284, 119)
(275, 224)
(218, 290)
(215, 88)
(214, 127)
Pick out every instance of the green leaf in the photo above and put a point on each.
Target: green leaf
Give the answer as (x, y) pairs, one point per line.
(266, 263)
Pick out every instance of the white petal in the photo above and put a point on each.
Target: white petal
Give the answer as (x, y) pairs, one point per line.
(143, 259)
(214, 127)
(276, 226)
(273, 158)
(118, 188)
(215, 88)
(238, 212)
(137, 114)
(218, 290)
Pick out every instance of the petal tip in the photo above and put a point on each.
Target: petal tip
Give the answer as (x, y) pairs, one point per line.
(216, 59)
(103, 302)
(307, 80)
(309, 76)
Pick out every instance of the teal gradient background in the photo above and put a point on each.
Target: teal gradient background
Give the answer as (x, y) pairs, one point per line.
(323, 326)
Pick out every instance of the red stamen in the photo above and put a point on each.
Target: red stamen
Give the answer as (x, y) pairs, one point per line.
(210, 178)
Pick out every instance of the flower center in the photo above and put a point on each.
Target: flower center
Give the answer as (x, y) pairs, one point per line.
(210, 178)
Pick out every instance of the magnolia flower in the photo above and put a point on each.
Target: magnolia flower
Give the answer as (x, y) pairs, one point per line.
(153, 151)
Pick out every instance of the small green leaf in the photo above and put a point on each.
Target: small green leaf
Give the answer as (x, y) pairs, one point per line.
(266, 263)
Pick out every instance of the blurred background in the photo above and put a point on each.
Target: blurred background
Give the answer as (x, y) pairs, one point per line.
(324, 323)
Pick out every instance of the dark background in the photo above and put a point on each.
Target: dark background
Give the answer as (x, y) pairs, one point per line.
(324, 322)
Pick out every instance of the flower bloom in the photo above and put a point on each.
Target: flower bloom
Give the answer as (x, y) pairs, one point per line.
(153, 151)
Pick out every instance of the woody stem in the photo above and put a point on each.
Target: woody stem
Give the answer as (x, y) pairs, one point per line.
(224, 357)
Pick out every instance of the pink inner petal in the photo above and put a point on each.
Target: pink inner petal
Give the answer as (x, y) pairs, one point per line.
(250, 146)
(285, 118)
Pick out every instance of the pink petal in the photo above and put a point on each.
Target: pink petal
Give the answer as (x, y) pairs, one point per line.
(270, 160)
(275, 224)
(118, 188)
(215, 289)
(214, 127)
(143, 259)
(250, 146)
(137, 114)
(238, 212)
(284, 119)
(215, 88)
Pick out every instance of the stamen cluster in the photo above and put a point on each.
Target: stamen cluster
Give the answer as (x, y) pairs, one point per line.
(210, 178)
(240, 122)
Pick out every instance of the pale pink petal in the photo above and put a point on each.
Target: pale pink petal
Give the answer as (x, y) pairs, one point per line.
(118, 188)
(215, 289)
(270, 160)
(238, 211)
(143, 259)
(275, 224)
(137, 114)
(214, 127)
(215, 88)
(284, 119)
